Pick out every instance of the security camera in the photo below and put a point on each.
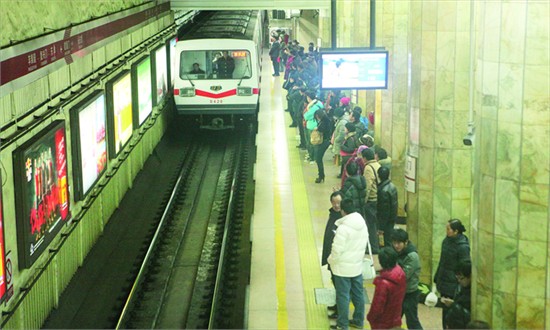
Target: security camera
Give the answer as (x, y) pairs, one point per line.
(468, 139)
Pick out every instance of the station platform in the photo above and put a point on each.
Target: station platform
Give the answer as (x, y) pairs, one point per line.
(288, 225)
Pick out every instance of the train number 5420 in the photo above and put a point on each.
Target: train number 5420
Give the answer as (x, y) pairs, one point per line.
(216, 101)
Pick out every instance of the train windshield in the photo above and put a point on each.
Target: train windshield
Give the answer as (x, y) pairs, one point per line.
(215, 64)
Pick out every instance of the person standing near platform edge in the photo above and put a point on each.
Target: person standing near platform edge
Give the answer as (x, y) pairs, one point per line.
(346, 263)
(274, 55)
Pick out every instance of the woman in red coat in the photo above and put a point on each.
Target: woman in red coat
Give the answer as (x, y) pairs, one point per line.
(391, 285)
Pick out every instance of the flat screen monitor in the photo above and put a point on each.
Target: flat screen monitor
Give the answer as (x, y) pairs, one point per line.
(142, 91)
(119, 112)
(354, 69)
(89, 143)
(41, 191)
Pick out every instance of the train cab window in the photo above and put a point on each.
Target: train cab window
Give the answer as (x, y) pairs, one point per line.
(215, 64)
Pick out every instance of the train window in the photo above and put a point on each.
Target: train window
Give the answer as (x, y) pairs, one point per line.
(215, 64)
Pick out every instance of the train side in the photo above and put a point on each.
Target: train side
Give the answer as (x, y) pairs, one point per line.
(218, 67)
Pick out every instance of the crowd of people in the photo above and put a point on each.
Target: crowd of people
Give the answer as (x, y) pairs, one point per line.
(364, 206)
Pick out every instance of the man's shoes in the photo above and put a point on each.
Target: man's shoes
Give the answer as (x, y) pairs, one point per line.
(354, 325)
(293, 125)
(335, 327)
(333, 308)
(333, 316)
(301, 146)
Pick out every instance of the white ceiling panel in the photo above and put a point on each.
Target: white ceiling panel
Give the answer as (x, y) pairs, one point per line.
(248, 4)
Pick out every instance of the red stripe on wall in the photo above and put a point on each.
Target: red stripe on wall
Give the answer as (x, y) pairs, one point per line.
(20, 65)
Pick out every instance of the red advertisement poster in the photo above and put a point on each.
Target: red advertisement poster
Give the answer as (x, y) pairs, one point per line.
(42, 196)
(2, 253)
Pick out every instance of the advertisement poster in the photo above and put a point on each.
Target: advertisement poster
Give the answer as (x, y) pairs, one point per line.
(173, 67)
(2, 253)
(144, 89)
(42, 194)
(122, 110)
(161, 67)
(91, 143)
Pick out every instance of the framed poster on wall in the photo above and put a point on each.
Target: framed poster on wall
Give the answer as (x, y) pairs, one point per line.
(2, 252)
(41, 191)
(119, 112)
(160, 74)
(142, 93)
(171, 59)
(89, 143)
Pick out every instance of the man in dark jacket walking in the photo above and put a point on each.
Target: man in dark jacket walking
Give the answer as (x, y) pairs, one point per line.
(410, 263)
(274, 54)
(387, 205)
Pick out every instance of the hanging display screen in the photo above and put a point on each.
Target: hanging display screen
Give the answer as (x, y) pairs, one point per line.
(41, 190)
(119, 112)
(142, 89)
(2, 253)
(89, 143)
(161, 75)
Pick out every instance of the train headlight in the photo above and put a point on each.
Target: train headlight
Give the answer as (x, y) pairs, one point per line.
(187, 91)
(244, 91)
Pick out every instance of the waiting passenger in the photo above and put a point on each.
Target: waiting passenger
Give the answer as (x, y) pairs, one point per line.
(355, 186)
(458, 314)
(323, 126)
(386, 212)
(348, 146)
(371, 202)
(196, 69)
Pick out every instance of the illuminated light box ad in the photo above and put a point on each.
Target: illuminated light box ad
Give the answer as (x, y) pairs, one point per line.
(119, 112)
(89, 143)
(2, 253)
(172, 60)
(160, 74)
(41, 191)
(142, 88)
(354, 70)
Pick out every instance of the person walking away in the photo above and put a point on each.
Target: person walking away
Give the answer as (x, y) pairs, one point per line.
(355, 186)
(459, 313)
(386, 205)
(334, 213)
(323, 126)
(407, 258)
(371, 202)
(274, 55)
(390, 288)
(454, 248)
(346, 262)
(311, 123)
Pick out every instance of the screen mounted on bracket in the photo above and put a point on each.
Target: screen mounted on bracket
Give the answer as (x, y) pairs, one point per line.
(354, 68)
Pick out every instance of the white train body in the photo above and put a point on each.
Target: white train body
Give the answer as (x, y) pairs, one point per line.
(214, 87)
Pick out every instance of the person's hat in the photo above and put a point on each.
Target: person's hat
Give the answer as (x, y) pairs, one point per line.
(339, 112)
(345, 100)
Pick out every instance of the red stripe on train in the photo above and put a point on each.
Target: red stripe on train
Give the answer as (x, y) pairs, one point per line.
(230, 92)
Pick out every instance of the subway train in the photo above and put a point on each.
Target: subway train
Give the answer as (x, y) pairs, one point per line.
(217, 67)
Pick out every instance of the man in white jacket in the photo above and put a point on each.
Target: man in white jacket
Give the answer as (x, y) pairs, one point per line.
(346, 263)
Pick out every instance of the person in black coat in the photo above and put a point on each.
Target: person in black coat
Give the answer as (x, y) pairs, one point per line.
(355, 186)
(330, 229)
(225, 65)
(459, 312)
(324, 127)
(386, 213)
(274, 53)
(455, 248)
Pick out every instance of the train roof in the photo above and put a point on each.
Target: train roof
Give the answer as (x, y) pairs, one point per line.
(236, 24)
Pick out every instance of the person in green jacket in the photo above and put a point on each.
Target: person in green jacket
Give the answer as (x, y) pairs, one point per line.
(313, 104)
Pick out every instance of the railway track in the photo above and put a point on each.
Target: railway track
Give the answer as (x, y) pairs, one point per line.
(196, 269)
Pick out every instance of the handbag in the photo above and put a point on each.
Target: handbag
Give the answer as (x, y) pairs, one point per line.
(369, 272)
(316, 137)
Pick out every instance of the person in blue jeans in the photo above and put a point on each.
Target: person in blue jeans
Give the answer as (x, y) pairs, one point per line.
(346, 263)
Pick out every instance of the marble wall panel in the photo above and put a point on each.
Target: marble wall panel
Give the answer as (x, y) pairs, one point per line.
(425, 168)
(506, 208)
(462, 12)
(510, 92)
(461, 91)
(491, 31)
(488, 146)
(429, 15)
(533, 212)
(483, 302)
(460, 205)
(462, 174)
(508, 151)
(442, 170)
(400, 88)
(444, 90)
(485, 255)
(532, 268)
(535, 99)
(512, 31)
(530, 313)
(534, 163)
(446, 16)
(427, 90)
(537, 37)
(504, 311)
(428, 53)
(460, 128)
(441, 209)
(446, 49)
(486, 202)
(443, 128)
(506, 264)
(490, 82)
